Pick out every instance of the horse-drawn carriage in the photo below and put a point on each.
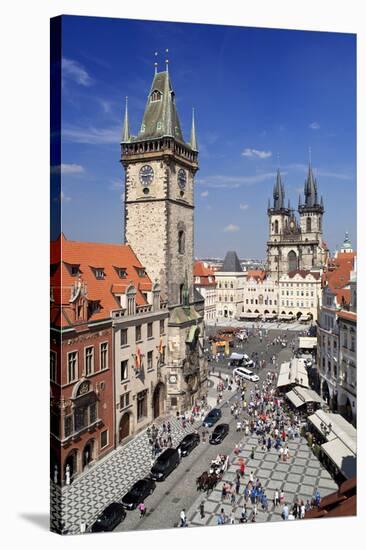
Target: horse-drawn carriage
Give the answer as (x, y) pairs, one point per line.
(208, 480)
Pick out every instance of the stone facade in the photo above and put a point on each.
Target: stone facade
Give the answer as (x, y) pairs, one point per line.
(140, 393)
(295, 244)
(260, 295)
(159, 225)
(230, 291)
(300, 293)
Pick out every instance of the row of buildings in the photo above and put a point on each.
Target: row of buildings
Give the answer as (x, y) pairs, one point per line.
(127, 324)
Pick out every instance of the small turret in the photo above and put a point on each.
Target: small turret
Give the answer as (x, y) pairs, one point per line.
(126, 126)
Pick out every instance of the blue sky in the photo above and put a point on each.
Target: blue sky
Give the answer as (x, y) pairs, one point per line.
(262, 97)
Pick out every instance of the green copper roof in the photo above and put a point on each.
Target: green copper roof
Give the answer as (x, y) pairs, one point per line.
(161, 117)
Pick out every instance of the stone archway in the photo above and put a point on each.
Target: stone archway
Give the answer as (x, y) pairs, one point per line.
(71, 465)
(88, 453)
(124, 426)
(158, 400)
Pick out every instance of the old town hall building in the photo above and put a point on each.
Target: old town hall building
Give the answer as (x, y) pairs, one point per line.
(295, 245)
(159, 202)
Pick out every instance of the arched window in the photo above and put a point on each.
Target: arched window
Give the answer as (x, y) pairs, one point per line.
(292, 261)
(181, 287)
(276, 226)
(156, 95)
(308, 225)
(181, 241)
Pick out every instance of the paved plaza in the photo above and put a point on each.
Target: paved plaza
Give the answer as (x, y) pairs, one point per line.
(107, 481)
(299, 477)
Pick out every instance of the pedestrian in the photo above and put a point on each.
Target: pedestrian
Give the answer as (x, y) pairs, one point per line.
(285, 512)
(276, 498)
(202, 510)
(142, 509)
(183, 518)
(237, 486)
(252, 453)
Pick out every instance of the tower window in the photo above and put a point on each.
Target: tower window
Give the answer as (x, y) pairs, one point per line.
(292, 261)
(156, 95)
(308, 225)
(276, 226)
(181, 241)
(181, 294)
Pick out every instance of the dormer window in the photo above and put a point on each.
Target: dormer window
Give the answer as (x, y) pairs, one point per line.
(156, 96)
(74, 270)
(141, 271)
(99, 272)
(158, 126)
(121, 272)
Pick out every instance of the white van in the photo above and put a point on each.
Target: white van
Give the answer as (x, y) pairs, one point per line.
(246, 373)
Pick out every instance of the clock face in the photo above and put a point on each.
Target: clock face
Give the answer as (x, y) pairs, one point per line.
(146, 174)
(182, 178)
(292, 224)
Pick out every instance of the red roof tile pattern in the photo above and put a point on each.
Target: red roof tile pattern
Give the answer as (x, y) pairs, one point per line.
(337, 276)
(304, 273)
(257, 274)
(103, 292)
(204, 272)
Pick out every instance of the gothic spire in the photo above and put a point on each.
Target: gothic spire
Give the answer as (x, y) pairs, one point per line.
(310, 188)
(126, 126)
(278, 193)
(161, 117)
(193, 140)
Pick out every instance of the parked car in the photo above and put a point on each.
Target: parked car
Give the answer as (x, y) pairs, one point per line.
(109, 518)
(211, 418)
(246, 374)
(219, 434)
(165, 464)
(188, 443)
(138, 492)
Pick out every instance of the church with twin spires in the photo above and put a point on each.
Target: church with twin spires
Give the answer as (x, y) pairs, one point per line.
(295, 244)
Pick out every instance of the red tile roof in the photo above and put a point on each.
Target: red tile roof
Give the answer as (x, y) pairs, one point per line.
(202, 270)
(257, 274)
(338, 274)
(86, 256)
(303, 273)
(347, 315)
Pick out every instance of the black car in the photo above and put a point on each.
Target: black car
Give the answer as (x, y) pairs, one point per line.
(188, 443)
(219, 433)
(211, 418)
(165, 464)
(109, 518)
(138, 492)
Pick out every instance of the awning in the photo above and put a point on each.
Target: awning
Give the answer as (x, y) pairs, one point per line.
(342, 456)
(307, 342)
(304, 318)
(295, 399)
(286, 316)
(269, 315)
(250, 315)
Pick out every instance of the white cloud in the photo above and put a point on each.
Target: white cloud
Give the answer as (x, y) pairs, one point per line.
(256, 153)
(76, 72)
(115, 185)
(204, 194)
(243, 206)
(67, 169)
(314, 125)
(233, 182)
(231, 228)
(91, 135)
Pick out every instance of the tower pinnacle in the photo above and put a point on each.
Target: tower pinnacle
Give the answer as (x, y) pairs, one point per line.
(126, 127)
(193, 140)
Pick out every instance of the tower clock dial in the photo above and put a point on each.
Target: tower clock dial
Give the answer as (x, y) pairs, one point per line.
(182, 178)
(146, 174)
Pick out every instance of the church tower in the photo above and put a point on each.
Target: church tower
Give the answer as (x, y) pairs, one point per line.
(311, 220)
(279, 220)
(159, 225)
(159, 190)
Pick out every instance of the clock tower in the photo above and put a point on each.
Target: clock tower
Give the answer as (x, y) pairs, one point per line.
(159, 191)
(159, 225)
